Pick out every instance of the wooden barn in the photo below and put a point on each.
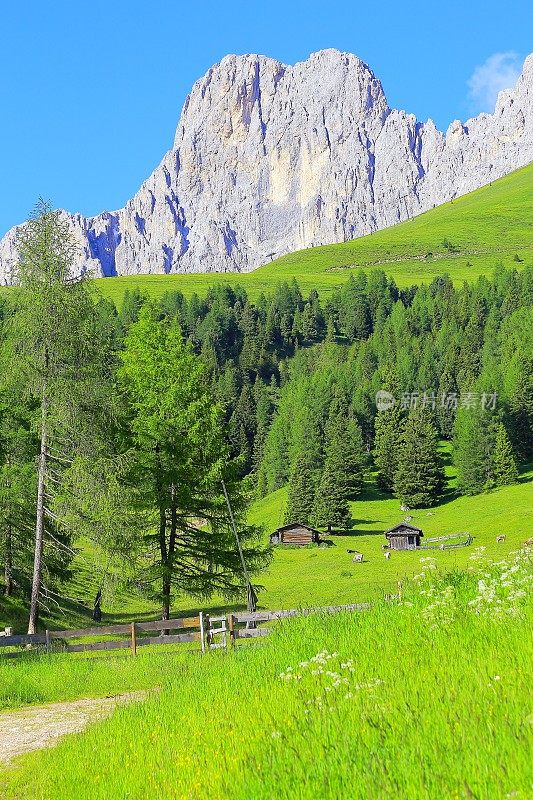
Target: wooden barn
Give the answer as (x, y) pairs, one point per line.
(404, 537)
(295, 533)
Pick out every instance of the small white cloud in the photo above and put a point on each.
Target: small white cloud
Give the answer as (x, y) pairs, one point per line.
(500, 71)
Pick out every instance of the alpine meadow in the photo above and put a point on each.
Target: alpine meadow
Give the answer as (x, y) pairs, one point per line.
(266, 457)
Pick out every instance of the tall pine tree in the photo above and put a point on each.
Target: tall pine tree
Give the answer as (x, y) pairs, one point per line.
(387, 427)
(473, 448)
(341, 477)
(419, 477)
(302, 488)
(331, 506)
(504, 469)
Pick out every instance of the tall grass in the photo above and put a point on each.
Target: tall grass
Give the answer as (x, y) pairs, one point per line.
(32, 679)
(425, 698)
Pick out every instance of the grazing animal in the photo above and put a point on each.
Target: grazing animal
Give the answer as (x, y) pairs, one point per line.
(404, 507)
(500, 538)
(407, 519)
(387, 555)
(358, 557)
(384, 546)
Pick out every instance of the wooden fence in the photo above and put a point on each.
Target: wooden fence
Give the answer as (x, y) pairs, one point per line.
(202, 629)
(447, 542)
(131, 636)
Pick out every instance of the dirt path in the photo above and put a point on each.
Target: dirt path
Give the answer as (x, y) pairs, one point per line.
(34, 727)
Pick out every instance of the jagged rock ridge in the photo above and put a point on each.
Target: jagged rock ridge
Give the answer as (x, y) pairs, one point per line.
(270, 158)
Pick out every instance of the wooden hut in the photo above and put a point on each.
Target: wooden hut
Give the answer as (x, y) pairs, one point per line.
(403, 537)
(295, 533)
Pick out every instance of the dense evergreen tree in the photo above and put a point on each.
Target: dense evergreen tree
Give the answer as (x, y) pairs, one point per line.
(386, 445)
(264, 397)
(302, 489)
(419, 477)
(520, 411)
(179, 459)
(242, 428)
(473, 447)
(355, 458)
(504, 469)
(331, 507)
(341, 478)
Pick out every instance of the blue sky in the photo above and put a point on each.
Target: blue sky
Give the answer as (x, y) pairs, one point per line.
(91, 92)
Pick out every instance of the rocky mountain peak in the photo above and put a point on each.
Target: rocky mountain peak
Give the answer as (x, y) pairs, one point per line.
(269, 158)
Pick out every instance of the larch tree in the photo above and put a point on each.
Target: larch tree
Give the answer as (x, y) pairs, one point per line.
(55, 350)
(180, 457)
(58, 353)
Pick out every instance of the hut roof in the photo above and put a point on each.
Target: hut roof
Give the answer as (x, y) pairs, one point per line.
(401, 527)
(296, 525)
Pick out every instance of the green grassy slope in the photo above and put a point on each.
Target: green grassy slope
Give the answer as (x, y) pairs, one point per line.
(316, 576)
(488, 226)
(327, 576)
(399, 701)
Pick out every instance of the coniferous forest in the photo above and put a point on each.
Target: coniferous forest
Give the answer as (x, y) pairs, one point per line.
(127, 420)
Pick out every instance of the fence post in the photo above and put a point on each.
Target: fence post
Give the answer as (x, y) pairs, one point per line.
(202, 631)
(231, 626)
(133, 640)
(47, 635)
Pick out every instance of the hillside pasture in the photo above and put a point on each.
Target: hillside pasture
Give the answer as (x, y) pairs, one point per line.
(327, 575)
(397, 701)
(466, 238)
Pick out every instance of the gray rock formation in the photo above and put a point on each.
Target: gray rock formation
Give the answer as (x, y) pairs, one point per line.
(269, 158)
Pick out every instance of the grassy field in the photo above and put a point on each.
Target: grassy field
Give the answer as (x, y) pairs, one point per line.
(489, 226)
(327, 576)
(422, 700)
(45, 679)
(316, 576)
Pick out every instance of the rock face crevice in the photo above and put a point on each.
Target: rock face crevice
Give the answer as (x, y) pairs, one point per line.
(269, 158)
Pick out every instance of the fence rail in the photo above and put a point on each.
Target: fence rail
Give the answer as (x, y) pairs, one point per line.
(196, 629)
(59, 640)
(465, 537)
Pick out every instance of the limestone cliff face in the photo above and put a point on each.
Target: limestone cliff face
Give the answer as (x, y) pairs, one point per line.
(270, 158)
